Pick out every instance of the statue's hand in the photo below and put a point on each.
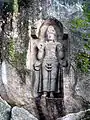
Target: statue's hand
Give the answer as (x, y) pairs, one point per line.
(40, 46)
(40, 51)
(37, 65)
(63, 63)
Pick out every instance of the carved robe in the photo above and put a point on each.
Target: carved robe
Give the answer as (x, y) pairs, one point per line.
(48, 68)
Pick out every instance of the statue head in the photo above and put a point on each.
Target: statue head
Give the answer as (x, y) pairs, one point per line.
(51, 24)
(51, 34)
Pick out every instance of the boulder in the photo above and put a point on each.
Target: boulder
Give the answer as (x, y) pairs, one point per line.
(82, 115)
(21, 114)
(4, 110)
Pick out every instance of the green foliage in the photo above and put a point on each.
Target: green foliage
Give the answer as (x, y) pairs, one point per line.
(78, 24)
(86, 9)
(7, 7)
(20, 59)
(83, 58)
(87, 46)
(11, 49)
(82, 22)
(15, 6)
(16, 58)
(83, 62)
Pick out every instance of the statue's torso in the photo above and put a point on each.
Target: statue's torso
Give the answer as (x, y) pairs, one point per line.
(50, 52)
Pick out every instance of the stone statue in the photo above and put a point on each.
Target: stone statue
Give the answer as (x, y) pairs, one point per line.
(49, 62)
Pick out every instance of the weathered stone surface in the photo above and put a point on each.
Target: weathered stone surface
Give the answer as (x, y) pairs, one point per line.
(4, 110)
(21, 114)
(3, 93)
(49, 108)
(83, 87)
(82, 115)
(21, 94)
(72, 103)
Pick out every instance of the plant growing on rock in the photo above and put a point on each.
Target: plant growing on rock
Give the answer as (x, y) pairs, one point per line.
(81, 26)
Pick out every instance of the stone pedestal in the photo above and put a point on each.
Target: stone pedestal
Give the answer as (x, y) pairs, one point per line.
(49, 108)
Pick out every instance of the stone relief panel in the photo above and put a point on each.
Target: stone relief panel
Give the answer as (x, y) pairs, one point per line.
(48, 58)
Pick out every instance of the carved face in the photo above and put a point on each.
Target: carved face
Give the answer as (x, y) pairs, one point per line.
(51, 33)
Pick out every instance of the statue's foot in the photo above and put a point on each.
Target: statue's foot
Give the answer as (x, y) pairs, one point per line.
(38, 95)
(51, 95)
(44, 95)
(48, 94)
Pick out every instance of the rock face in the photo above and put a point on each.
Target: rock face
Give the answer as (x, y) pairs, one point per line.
(20, 93)
(2, 88)
(15, 113)
(83, 115)
(4, 110)
(21, 114)
(83, 87)
(76, 97)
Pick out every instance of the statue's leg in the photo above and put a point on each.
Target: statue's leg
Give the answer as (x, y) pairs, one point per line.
(37, 92)
(45, 79)
(36, 84)
(53, 77)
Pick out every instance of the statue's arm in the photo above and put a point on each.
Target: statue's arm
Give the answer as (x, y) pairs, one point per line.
(60, 52)
(61, 55)
(38, 57)
(40, 53)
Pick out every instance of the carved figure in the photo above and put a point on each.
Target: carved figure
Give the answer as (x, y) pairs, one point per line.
(48, 65)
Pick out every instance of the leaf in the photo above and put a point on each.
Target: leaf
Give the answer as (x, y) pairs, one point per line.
(87, 46)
